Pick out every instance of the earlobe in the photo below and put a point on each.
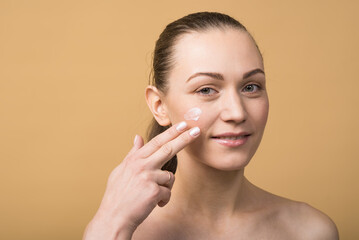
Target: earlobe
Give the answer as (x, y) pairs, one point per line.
(157, 106)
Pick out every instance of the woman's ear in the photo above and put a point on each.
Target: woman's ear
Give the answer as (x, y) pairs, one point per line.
(157, 106)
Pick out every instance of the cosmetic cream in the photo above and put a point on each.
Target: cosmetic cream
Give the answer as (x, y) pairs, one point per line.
(193, 114)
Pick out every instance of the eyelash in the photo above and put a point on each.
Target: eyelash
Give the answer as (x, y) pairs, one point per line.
(255, 85)
(200, 91)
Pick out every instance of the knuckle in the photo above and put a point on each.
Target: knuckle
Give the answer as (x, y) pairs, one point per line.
(186, 137)
(167, 150)
(172, 131)
(130, 157)
(156, 142)
(129, 162)
(145, 176)
(114, 173)
(173, 178)
(168, 194)
(154, 191)
(138, 170)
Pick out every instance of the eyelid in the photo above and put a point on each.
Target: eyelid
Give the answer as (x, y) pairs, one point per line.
(198, 91)
(254, 84)
(259, 88)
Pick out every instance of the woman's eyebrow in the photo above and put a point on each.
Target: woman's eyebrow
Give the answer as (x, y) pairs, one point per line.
(250, 73)
(219, 76)
(209, 74)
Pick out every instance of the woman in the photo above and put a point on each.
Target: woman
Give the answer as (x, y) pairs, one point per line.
(210, 106)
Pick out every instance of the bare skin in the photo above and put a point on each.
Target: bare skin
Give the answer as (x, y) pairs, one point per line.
(211, 198)
(221, 72)
(266, 216)
(138, 185)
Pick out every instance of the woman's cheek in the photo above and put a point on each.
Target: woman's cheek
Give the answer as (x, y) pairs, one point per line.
(193, 116)
(199, 117)
(259, 111)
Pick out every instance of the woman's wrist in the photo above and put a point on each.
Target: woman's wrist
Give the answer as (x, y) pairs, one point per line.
(104, 228)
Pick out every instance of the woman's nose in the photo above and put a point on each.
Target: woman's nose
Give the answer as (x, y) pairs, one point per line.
(233, 108)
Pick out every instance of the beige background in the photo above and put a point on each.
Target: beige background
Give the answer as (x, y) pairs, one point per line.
(72, 79)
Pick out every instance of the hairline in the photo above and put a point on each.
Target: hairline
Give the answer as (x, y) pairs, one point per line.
(222, 27)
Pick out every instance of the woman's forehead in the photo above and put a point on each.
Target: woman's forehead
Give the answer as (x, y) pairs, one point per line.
(216, 50)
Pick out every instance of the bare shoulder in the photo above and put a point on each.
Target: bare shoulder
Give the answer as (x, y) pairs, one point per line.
(307, 222)
(283, 218)
(314, 224)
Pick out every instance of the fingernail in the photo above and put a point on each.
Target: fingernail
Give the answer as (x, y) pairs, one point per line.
(135, 140)
(194, 132)
(181, 126)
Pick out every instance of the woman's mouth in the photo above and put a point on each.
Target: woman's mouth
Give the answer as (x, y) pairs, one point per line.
(231, 139)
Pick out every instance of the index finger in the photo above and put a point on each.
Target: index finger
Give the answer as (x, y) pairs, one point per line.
(161, 139)
(168, 150)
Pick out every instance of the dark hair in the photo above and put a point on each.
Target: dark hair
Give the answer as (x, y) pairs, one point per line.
(163, 59)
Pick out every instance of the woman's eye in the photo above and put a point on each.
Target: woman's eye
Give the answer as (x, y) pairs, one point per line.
(251, 88)
(206, 91)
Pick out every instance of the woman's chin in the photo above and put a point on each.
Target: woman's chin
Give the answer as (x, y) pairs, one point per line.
(228, 164)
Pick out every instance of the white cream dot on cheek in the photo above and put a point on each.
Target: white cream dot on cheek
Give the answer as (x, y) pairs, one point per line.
(193, 114)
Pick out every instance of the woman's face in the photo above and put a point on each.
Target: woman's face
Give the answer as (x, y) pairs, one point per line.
(221, 72)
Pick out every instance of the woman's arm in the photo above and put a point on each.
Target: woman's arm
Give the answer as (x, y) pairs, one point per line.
(105, 229)
(138, 185)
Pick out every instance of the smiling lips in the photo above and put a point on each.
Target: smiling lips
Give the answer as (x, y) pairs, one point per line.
(231, 139)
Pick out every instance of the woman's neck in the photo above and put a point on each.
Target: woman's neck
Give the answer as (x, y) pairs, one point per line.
(207, 191)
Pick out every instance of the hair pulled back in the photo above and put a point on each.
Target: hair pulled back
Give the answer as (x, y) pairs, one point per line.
(163, 59)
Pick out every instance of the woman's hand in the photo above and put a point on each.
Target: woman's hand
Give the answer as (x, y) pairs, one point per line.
(138, 184)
